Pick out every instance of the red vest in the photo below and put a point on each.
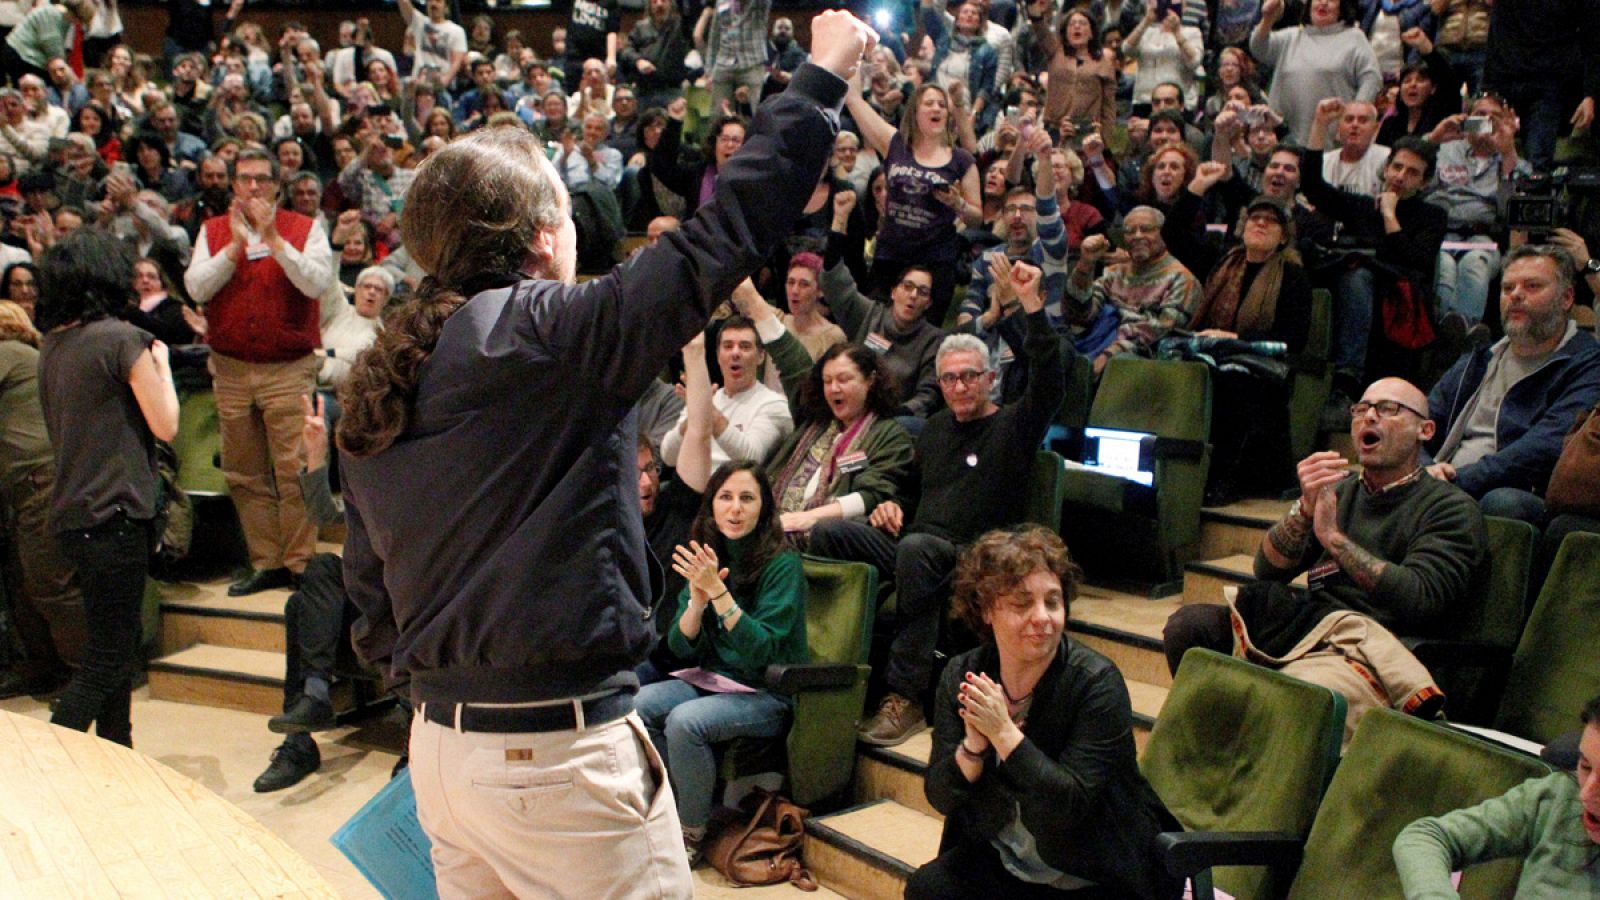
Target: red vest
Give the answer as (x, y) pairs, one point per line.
(259, 315)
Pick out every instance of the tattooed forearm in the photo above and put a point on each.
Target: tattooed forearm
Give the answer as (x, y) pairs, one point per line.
(1362, 567)
(1288, 540)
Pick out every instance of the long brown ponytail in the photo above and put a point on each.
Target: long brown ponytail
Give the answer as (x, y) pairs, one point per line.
(473, 211)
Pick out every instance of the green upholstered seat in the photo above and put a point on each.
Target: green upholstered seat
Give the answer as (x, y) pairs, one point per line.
(1074, 409)
(1397, 770)
(819, 752)
(197, 443)
(1313, 378)
(1169, 399)
(1242, 748)
(1556, 667)
(1470, 666)
(1047, 490)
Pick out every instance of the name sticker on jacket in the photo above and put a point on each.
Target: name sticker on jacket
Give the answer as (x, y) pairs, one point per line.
(877, 343)
(254, 252)
(851, 463)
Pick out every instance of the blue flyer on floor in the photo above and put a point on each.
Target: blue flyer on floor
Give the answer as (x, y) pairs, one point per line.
(386, 842)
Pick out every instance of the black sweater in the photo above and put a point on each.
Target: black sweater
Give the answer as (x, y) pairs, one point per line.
(975, 475)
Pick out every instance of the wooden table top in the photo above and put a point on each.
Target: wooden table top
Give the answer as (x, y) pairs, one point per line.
(82, 817)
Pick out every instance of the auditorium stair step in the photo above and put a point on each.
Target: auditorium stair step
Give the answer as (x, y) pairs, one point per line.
(867, 852)
(228, 677)
(205, 614)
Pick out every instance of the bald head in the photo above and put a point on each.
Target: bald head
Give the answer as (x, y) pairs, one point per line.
(1389, 426)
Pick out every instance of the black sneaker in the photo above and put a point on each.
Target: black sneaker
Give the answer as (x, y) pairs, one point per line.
(294, 759)
(262, 580)
(307, 714)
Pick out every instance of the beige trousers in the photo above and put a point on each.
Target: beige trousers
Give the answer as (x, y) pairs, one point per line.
(260, 415)
(582, 814)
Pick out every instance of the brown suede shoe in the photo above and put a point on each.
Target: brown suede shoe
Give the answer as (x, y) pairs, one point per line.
(895, 722)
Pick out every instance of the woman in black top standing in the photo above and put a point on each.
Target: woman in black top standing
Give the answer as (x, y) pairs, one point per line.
(107, 394)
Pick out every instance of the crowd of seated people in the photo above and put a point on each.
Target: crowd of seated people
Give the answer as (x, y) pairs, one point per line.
(1017, 188)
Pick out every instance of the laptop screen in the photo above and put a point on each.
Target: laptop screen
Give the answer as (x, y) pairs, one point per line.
(1117, 453)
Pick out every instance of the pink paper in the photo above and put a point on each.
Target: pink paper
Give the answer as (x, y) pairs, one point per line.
(711, 681)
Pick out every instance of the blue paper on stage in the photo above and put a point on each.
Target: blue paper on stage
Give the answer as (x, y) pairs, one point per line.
(386, 842)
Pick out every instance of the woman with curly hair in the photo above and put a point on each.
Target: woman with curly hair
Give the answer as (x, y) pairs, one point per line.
(1033, 761)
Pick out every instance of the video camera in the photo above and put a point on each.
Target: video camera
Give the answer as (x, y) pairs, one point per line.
(1541, 203)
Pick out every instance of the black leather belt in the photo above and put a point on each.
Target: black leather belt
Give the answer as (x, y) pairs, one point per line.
(567, 715)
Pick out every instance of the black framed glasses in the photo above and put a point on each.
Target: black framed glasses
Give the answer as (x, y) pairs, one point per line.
(921, 290)
(1387, 409)
(967, 377)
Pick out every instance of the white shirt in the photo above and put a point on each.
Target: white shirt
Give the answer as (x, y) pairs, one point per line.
(1364, 176)
(311, 271)
(343, 339)
(435, 43)
(758, 419)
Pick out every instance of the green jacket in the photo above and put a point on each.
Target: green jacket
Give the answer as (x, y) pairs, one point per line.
(1538, 821)
(771, 630)
(888, 447)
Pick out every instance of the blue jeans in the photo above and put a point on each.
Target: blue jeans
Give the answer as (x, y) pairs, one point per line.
(1510, 503)
(1462, 284)
(1544, 115)
(684, 721)
(1352, 320)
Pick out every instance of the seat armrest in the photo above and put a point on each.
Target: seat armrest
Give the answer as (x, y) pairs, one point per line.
(797, 677)
(1188, 853)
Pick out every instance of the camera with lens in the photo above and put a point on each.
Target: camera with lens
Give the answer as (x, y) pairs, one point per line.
(1540, 203)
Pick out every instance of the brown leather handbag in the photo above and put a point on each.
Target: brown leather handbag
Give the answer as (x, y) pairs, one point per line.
(1575, 483)
(766, 847)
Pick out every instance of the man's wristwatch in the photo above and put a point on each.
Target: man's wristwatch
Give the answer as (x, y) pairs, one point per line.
(1592, 267)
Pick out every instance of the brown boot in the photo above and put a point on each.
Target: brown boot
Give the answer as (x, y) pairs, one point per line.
(895, 722)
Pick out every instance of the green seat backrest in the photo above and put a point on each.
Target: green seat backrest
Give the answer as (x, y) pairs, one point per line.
(196, 444)
(1396, 770)
(1557, 668)
(1074, 409)
(1047, 490)
(1162, 397)
(839, 609)
(1242, 748)
(1498, 619)
(1312, 382)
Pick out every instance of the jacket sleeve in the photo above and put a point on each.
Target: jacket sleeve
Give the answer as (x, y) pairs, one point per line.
(889, 455)
(944, 784)
(374, 632)
(794, 367)
(925, 400)
(662, 162)
(1415, 247)
(621, 329)
(1527, 462)
(682, 647)
(1335, 203)
(1429, 849)
(766, 428)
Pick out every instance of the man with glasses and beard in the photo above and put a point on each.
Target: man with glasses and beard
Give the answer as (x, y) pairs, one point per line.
(1504, 409)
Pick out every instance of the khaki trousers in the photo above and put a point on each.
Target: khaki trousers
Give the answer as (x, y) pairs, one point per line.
(261, 419)
(582, 814)
(47, 608)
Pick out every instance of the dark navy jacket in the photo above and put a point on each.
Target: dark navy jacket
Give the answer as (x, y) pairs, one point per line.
(496, 552)
(1536, 414)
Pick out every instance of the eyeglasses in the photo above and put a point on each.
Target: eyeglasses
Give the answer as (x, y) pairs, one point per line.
(967, 377)
(921, 290)
(251, 178)
(1012, 209)
(1387, 409)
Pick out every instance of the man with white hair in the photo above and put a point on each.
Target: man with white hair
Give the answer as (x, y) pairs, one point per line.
(1152, 292)
(976, 459)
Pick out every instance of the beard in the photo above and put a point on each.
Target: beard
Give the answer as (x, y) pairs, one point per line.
(1538, 329)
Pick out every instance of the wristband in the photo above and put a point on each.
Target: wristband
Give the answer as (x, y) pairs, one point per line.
(961, 748)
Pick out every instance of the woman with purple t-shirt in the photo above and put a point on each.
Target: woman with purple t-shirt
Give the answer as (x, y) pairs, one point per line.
(933, 191)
